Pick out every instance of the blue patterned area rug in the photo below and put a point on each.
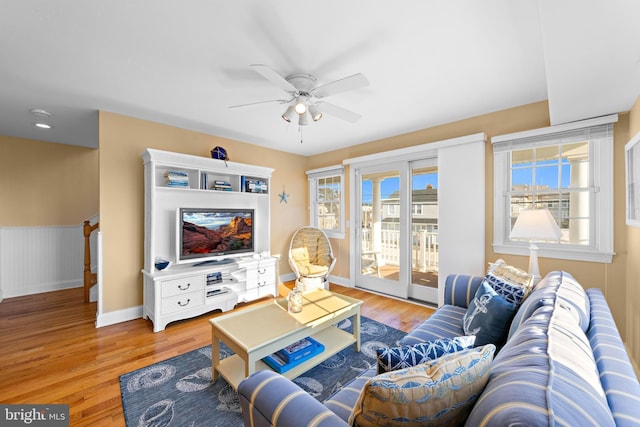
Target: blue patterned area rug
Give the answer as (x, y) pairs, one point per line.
(179, 391)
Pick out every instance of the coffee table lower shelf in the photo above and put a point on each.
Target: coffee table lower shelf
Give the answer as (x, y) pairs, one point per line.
(232, 368)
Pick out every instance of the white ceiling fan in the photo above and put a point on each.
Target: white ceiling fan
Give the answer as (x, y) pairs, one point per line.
(304, 99)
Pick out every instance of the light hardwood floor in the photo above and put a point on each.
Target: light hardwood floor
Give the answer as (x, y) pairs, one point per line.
(51, 351)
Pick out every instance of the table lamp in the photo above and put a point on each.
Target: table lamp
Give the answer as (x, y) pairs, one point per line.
(535, 225)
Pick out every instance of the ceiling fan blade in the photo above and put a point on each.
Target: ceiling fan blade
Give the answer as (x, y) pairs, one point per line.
(338, 112)
(275, 78)
(279, 101)
(355, 81)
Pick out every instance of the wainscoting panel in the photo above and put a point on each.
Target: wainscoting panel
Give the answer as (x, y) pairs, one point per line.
(40, 259)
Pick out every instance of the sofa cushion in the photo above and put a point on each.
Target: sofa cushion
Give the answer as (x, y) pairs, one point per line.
(446, 322)
(440, 392)
(344, 400)
(557, 286)
(488, 316)
(394, 358)
(544, 375)
(510, 282)
(570, 293)
(528, 307)
(459, 289)
(616, 373)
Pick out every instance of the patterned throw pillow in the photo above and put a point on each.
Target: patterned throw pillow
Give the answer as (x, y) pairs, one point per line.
(441, 392)
(394, 358)
(488, 317)
(512, 283)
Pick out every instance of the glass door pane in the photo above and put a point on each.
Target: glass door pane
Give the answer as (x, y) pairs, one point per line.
(424, 232)
(380, 240)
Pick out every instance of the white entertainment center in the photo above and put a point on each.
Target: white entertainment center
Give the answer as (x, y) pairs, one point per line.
(184, 289)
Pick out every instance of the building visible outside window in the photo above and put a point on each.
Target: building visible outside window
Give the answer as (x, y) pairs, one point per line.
(554, 177)
(567, 169)
(326, 190)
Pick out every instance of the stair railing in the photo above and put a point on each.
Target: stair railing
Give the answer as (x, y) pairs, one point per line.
(90, 278)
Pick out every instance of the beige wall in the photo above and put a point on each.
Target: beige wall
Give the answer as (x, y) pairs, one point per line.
(632, 296)
(516, 119)
(122, 140)
(46, 184)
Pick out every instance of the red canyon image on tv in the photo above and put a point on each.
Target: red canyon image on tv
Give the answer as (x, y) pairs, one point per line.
(215, 232)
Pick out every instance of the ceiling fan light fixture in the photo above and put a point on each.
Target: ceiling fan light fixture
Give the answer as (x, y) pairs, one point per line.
(300, 107)
(303, 119)
(315, 113)
(289, 114)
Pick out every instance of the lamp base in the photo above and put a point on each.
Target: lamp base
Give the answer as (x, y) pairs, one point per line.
(534, 269)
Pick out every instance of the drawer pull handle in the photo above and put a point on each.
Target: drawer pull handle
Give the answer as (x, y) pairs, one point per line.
(262, 271)
(185, 304)
(261, 284)
(185, 288)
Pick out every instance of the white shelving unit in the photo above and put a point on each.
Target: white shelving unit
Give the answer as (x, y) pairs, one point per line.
(183, 290)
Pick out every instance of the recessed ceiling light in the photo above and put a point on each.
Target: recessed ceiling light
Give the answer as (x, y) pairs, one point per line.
(44, 126)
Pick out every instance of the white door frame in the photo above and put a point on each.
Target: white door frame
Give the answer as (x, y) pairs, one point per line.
(461, 198)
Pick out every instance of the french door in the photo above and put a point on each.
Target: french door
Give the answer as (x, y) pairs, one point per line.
(397, 229)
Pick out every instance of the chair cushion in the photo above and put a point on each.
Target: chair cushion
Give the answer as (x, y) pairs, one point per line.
(311, 270)
(439, 392)
(488, 317)
(394, 358)
(300, 255)
(311, 252)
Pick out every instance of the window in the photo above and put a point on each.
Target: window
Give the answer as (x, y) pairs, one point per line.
(567, 169)
(326, 198)
(632, 160)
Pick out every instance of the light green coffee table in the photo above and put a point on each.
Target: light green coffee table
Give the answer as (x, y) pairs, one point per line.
(263, 329)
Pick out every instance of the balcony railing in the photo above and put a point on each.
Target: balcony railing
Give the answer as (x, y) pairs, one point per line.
(424, 248)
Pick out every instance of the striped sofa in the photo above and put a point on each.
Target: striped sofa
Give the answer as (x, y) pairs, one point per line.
(563, 364)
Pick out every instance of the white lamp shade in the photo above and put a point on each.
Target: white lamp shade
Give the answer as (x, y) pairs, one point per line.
(536, 224)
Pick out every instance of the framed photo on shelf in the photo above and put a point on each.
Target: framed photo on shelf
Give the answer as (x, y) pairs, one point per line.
(632, 163)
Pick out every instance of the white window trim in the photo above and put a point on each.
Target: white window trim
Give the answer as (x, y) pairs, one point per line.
(313, 176)
(602, 175)
(632, 168)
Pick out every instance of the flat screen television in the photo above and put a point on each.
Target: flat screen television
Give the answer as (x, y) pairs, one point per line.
(209, 235)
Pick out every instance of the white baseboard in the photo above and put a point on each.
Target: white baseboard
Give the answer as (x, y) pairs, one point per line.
(41, 288)
(93, 293)
(287, 277)
(342, 281)
(118, 316)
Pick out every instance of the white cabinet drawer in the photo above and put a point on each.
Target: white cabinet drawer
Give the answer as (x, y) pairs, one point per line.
(266, 275)
(182, 286)
(182, 302)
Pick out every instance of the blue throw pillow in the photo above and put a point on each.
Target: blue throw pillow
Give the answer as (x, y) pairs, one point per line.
(394, 358)
(509, 282)
(488, 317)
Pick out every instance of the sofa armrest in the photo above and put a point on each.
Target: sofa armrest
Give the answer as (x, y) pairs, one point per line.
(459, 289)
(269, 399)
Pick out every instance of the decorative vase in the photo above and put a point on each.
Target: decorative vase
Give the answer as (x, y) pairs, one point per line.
(294, 301)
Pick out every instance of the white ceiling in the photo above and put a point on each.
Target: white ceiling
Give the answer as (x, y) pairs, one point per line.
(429, 62)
